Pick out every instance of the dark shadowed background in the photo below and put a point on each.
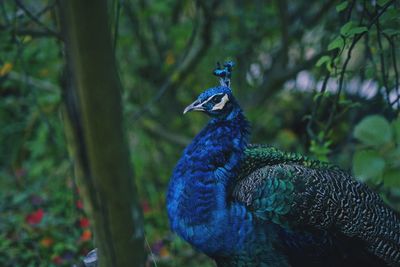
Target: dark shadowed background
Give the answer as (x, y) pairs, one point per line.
(316, 77)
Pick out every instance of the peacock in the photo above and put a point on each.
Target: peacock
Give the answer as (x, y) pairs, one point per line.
(254, 205)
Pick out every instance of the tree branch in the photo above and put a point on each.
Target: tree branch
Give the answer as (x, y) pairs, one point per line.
(146, 46)
(114, 209)
(273, 81)
(382, 60)
(157, 129)
(188, 62)
(31, 81)
(396, 71)
(37, 21)
(312, 119)
(342, 73)
(34, 33)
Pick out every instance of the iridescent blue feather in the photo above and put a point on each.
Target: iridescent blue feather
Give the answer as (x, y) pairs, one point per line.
(246, 205)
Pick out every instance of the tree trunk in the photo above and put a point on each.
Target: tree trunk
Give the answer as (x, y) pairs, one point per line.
(95, 130)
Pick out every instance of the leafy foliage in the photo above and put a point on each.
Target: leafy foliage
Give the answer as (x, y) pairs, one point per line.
(41, 226)
(304, 79)
(377, 157)
(374, 131)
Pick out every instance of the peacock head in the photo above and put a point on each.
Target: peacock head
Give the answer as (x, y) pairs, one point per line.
(217, 102)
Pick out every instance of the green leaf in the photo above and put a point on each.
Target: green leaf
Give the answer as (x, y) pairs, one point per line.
(329, 67)
(349, 29)
(391, 178)
(344, 30)
(322, 61)
(373, 130)
(337, 43)
(320, 150)
(342, 6)
(357, 30)
(393, 157)
(368, 164)
(396, 129)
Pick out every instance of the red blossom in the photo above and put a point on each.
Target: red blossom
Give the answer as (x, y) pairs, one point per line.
(86, 235)
(35, 217)
(84, 222)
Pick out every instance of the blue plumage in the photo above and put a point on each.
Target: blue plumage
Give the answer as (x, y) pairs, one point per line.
(197, 199)
(246, 205)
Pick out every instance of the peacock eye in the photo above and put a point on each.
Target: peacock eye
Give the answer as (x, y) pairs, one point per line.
(216, 99)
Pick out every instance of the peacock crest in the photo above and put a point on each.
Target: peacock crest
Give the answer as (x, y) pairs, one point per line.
(224, 73)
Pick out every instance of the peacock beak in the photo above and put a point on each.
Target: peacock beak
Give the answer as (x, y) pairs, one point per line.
(196, 105)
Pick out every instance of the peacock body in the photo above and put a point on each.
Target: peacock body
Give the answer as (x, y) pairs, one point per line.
(253, 205)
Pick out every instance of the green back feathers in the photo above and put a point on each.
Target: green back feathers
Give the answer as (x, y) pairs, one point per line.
(258, 156)
(298, 193)
(272, 200)
(267, 182)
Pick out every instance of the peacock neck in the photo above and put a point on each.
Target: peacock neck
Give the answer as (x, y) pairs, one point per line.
(197, 196)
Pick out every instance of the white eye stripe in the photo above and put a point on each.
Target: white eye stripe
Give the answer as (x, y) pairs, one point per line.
(221, 103)
(211, 97)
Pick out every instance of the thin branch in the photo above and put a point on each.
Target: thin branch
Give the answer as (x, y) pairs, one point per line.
(341, 79)
(157, 40)
(33, 82)
(138, 26)
(277, 77)
(191, 41)
(350, 10)
(325, 82)
(380, 13)
(158, 31)
(312, 119)
(369, 56)
(186, 65)
(157, 129)
(46, 8)
(313, 20)
(396, 71)
(382, 60)
(310, 22)
(342, 73)
(176, 11)
(34, 33)
(37, 21)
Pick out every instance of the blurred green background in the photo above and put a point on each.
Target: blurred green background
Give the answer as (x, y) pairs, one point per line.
(315, 77)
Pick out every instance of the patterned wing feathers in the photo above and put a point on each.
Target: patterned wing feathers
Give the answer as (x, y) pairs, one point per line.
(294, 191)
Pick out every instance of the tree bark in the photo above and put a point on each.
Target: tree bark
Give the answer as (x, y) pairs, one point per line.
(95, 129)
